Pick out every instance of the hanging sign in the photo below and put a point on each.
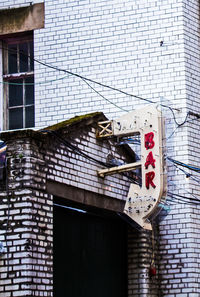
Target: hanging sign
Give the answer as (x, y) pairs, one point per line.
(142, 201)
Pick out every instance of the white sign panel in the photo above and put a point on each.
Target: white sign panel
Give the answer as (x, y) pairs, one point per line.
(142, 201)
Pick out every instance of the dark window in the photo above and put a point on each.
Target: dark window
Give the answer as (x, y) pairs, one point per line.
(19, 82)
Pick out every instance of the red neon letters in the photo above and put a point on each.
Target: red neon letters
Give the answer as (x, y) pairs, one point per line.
(149, 179)
(150, 161)
(149, 144)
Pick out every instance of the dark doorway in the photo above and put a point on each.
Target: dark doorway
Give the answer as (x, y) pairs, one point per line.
(90, 254)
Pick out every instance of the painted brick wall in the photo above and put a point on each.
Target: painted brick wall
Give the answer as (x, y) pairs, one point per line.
(27, 210)
(118, 43)
(81, 172)
(26, 225)
(179, 238)
(113, 42)
(140, 256)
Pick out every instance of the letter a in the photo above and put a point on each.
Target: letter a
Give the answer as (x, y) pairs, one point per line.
(150, 161)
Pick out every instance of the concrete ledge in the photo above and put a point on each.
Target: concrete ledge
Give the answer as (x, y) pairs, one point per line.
(22, 19)
(85, 197)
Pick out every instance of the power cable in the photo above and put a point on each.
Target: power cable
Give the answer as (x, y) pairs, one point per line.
(172, 111)
(184, 199)
(104, 97)
(103, 85)
(78, 151)
(184, 190)
(193, 168)
(174, 200)
(85, 79)
(187, 174)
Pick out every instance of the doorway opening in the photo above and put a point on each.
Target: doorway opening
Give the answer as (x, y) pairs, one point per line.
(90, 252)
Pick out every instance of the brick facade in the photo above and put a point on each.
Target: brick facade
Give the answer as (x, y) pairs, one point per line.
(35, 160)
(26, 224)
(146, 48)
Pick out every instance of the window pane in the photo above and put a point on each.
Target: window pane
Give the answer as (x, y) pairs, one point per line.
(16, 118)
(29, 90)
(15, 93)
(23, 53)
(29, 114)
(31, 56)
(12, 58)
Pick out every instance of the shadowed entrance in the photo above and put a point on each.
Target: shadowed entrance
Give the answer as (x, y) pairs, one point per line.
(90, 254)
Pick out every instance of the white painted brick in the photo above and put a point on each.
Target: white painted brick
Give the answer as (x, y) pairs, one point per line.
(118, 43)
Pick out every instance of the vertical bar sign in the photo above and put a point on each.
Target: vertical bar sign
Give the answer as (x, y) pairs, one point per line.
(142, 201)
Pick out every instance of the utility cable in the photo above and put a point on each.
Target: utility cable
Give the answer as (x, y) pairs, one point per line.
(75, 149)
(103, 96)
(183, 199)
(196, 169)
(187, 174)
(103, 85)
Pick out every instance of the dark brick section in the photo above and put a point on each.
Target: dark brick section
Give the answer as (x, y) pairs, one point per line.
(26, 224)
(37, 161)
(140, 256)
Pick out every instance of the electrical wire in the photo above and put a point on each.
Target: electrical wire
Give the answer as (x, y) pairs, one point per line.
(193, 168)
(172, 199)
(172, 133)
(188, 175)
(88, 81)
(187, 121)
(172, 111)
(182, 189)
(85, 79)
(184, 199)
(75, 149)
(104, 97)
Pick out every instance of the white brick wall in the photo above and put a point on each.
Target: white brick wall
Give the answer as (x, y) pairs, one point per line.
(117, 42)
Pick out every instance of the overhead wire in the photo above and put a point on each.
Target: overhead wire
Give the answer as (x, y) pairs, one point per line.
(193, 168)
(185, 121)
(176, 200)
(188, 175)
(77, 150)
(88, 80)
(189, 199)
(181, 189)
(106, 99)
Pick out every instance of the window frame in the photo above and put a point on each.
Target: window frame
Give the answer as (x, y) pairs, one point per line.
(16, 39)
